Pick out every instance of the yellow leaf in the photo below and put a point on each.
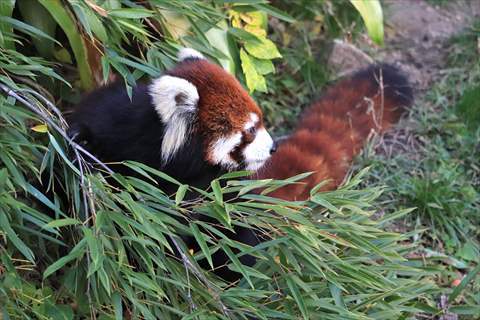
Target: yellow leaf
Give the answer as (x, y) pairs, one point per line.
(178, 26)
(256, 30)
(263, 49)
(42, 128)
(235, 18)
(246, 18)
(255, 18)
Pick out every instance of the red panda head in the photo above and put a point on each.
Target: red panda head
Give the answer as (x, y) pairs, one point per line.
(199, 97)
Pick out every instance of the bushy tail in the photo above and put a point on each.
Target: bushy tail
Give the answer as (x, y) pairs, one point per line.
(333, 130)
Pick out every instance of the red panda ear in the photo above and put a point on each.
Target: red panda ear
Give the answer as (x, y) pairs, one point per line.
(175, 100)
(189, 53)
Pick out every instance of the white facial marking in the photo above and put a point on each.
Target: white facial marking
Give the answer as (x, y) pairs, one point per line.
(251, 123)
(186, 53)
(221, 150)
(175, 100)
(257, 152)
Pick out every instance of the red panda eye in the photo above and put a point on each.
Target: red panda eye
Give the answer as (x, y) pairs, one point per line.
(252, 131)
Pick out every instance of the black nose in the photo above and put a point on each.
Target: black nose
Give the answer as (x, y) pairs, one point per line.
(274, 147)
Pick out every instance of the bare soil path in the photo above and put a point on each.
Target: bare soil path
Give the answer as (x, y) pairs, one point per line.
(416, 38)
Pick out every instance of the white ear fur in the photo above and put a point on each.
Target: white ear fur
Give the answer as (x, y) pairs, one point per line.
(187, 53)
(175, 100)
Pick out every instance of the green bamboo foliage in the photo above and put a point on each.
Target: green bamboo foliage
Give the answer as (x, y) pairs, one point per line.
(107, 252)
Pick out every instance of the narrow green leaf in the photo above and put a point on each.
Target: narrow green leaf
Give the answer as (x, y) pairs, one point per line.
(297, 296)
(62, 223)
(239, 266)
(181, 191)
(470, 276)
(95, 251)
(137, 165)
(202, 243)
(35, 14)
(13, 237)
(59, 150)
(22, 26)
(117, 305)
(274, 12)
(76, 252)
(131, 13)
(337, 295)
(68, 24)
(217, 191)
(6, 10)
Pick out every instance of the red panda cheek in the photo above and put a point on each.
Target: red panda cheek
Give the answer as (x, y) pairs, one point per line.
(219, 151)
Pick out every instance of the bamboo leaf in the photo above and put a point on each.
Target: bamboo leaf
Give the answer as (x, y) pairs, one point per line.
(65, 19)
(62, 223)
(217, 191)
(297, 296)
(117, 304)
(13, 237)
(24, 27)
(41, 128)
(239, 266)
(36, 15)
(6, 10)
(131, 13)
(202, 243)
(180, 194)
(76, 252)
(57, 147)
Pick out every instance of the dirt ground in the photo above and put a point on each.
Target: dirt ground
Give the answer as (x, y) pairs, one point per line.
(416, 38)
(417, 34)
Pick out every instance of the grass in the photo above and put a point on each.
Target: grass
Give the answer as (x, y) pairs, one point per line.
(432, 162)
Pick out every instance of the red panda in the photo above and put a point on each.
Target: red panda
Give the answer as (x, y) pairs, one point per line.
(196, 122)
(333, 129)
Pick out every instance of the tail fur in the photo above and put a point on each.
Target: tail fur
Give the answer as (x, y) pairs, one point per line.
(333, 130)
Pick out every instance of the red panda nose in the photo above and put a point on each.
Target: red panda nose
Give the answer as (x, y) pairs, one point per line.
(273, 148)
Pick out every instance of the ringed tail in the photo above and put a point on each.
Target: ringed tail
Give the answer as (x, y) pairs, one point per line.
(334, 129)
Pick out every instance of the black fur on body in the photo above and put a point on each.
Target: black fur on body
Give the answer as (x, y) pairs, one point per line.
(115, 128)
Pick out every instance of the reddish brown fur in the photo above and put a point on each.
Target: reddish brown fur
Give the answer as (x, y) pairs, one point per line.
(224, 106)
(221, 97)
(332, 131)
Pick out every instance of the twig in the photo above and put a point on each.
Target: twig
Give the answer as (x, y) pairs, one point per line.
(26, 101)
(35, 85)
(190, 266)
(86, 190)
(49, 104)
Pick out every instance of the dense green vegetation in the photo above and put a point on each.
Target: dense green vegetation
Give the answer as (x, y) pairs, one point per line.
(106, 252)
(432, 163)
